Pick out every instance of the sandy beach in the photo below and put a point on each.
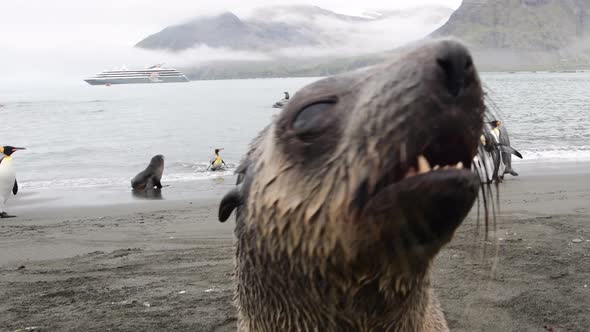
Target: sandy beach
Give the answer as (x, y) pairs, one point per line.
(133, 265)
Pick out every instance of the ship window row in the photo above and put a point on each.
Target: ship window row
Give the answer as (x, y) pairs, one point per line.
(140, 75)
(139, 71)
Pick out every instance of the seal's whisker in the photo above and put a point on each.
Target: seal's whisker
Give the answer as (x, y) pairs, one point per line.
(478, 204)
(493, 207)
(486, 210)
(497, 206)
(492, 108)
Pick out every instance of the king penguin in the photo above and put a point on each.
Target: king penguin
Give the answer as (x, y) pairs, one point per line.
(7, 177)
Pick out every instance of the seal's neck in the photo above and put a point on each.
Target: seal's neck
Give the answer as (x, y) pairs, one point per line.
(275, 296)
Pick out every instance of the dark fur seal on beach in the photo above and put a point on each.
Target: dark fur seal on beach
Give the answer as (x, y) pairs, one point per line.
(339, 213)
(151, 176)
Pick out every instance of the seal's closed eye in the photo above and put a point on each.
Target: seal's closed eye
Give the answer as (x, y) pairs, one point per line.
(313, 120)
(230, 201)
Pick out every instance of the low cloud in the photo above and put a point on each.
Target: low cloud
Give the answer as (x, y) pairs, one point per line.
(360, 38)
(75, 64)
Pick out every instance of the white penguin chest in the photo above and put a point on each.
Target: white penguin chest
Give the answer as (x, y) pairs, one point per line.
(7, 173)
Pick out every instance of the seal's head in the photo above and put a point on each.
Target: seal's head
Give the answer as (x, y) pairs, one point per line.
(157, 160)
(339, 190)
(157, 164)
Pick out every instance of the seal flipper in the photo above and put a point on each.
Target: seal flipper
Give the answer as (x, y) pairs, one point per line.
(229, 203)
(510, 150)
(150, 184)
(15, 187)
(157, 183)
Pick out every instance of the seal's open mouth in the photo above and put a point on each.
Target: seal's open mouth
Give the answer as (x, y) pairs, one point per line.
(442, 154)
(448, 153)
(425, 199)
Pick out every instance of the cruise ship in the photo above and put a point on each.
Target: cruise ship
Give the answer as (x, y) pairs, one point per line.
(153, 74)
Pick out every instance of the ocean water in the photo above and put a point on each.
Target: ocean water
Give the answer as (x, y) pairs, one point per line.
(86, 136)
(547, 114)
(81, 136)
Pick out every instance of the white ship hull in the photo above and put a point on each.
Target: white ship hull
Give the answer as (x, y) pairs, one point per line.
(134, 80)
(150, 75)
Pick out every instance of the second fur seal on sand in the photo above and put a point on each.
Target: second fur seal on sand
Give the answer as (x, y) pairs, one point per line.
(339, 212)
(151, 176)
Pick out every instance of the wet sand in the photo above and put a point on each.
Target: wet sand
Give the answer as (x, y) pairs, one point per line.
(168, 264)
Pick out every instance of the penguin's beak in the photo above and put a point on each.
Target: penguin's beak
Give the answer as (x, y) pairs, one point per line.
(15, 149)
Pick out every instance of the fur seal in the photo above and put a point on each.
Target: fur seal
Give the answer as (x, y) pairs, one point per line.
(338, 211)
(151, 176)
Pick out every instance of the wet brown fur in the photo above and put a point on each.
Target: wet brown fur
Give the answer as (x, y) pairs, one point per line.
(309, 257)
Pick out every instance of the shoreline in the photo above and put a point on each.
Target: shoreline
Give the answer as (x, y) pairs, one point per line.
(67, 198)
(93, 196)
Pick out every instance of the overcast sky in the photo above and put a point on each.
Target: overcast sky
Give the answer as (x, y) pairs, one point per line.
(61, 31)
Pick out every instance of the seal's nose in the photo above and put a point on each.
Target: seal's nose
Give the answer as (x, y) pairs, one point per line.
(457, 66)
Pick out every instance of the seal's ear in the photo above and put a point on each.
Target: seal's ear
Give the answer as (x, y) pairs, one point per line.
(230, 201)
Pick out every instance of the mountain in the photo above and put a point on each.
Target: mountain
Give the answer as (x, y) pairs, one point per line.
(523, 34)
(317, 30)
(294, 40)
(228, 31)
(504, 35)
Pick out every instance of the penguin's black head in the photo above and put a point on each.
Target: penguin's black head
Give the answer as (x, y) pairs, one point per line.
(8, 150)
(217, 150)
(495, 123)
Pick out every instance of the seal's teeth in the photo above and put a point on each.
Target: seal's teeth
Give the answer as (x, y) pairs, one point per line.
(402, 289)
(398, 282)
(423, 165)
(460, 165)
(411, 172)
(436, 168)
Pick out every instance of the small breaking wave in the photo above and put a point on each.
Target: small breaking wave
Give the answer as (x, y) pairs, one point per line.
(556, 154)
(122, 182)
